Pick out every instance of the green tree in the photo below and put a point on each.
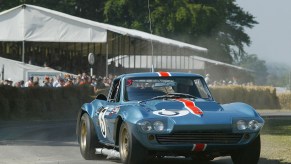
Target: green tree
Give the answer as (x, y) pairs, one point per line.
(279, 75)
(215, 24)
(258, 66)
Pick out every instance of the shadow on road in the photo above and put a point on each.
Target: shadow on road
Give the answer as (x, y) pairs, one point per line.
(221, 160)
(61, 136)
(38, 133)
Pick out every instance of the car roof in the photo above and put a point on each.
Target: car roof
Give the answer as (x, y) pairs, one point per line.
(160, 74)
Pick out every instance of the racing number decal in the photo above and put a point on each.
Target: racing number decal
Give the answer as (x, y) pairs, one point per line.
(102, 122)
(171, 113)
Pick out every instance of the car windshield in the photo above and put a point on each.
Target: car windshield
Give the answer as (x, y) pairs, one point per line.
(141, 89)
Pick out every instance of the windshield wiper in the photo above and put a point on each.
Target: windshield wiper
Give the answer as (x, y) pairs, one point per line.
(159, 97)
(182, 95)
(170, 96)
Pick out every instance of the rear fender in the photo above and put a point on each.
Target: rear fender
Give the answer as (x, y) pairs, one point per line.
(86, 108)
(117, 125)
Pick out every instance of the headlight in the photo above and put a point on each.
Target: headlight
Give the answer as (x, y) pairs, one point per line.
(254, 125)
(146, 126)
(249, 125)
(241, 125)
(158, 126)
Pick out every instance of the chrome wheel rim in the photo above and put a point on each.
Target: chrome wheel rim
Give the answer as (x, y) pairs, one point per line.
(124, 144)
(83, 135)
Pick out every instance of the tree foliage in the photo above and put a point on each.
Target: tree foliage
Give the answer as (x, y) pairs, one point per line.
(258, 66)
(279, 75)
(215, 24)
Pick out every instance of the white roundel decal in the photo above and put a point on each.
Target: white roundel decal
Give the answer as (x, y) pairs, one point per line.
(171, 113)
(102, 121)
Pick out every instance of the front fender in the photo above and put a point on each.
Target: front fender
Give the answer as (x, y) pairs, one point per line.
(128, 114)
(131, 114)
(242, 108)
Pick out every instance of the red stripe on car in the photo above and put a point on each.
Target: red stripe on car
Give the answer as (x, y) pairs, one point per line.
(164, 74)
(190, 105)
(199, 147)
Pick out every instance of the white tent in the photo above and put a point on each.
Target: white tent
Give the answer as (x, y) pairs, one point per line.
(38, 24)
(33, 23)
(16, 70)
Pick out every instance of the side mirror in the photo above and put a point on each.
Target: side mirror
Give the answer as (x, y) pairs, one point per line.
(101, 97)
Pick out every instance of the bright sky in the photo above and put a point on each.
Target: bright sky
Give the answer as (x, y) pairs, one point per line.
(271, 38)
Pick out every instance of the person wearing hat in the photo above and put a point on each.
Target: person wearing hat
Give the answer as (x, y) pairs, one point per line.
(207, 79)
(46, 82)
(29, 83)
(56, 83)
(68, 83)
(61, 82)
(9, 82)
(84, 80)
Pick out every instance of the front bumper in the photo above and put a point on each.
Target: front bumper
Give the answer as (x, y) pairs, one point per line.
(187, 141)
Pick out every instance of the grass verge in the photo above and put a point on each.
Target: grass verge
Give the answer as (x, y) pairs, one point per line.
(276, 140)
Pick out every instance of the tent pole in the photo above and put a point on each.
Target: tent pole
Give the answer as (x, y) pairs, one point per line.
(23, 51)
(2, 72)
(106, 59)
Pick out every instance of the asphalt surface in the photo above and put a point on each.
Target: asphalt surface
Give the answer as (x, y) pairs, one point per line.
(54, 142)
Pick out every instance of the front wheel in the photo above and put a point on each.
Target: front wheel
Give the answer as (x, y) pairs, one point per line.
(131, 151)
(250, 154)
(88, 139)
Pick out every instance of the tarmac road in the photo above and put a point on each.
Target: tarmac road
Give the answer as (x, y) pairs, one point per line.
(54, 142)
(51, 142)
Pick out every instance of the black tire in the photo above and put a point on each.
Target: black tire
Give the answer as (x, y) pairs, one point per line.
(88, 139)
(131, 151)
(249, 155)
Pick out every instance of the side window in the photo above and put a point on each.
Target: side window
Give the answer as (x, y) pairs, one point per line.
(200, 88)
(115, 91)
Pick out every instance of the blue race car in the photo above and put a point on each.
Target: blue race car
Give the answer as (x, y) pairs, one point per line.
(158, 114)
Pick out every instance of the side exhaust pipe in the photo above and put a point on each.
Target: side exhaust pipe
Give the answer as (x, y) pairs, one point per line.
(110, 153)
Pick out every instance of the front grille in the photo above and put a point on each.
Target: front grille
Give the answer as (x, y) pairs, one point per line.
(199, 137)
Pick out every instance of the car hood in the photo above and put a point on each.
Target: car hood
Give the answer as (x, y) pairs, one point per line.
(183, 104)
(180, 112)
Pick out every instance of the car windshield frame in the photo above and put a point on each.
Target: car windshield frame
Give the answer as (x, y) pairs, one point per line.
(167, 85)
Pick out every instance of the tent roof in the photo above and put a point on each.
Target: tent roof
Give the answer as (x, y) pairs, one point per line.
(220, 63)
(33, 23)
(197, 58)
(16, 70)
(148, 36)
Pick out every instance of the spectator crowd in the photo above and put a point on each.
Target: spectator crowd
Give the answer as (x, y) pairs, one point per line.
(66, 80)
(69, 80)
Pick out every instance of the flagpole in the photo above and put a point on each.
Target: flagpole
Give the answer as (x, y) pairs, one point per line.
(23, 51)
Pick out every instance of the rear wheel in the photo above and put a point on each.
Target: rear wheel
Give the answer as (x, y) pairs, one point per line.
(249, 155)
(131, 151)
(88, 139)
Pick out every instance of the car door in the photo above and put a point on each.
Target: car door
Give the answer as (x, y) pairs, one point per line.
(107, 115)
